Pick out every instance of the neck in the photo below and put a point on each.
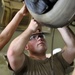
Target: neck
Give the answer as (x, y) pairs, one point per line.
(38, 57)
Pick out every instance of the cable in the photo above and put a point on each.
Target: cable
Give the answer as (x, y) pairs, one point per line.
(52, 66)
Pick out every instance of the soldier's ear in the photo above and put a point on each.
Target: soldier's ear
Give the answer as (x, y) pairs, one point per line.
(27, 47)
